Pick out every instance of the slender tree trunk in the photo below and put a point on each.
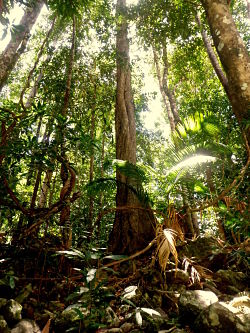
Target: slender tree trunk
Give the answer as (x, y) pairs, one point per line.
(162, 90)
(211, 186)
(190, 231)
(134, 229)
(27, 83)
(45, 189)
(18, 42)
(166, 86)
(233, 56)
(67, 183)
(212, 56)
(92, 158)
(102, 176)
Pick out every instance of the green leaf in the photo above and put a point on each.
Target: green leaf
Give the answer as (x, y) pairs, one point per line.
(12, 282)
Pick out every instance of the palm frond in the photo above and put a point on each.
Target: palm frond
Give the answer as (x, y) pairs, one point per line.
(130, 170)
(165, 246)
(99, 185)
(195, 270)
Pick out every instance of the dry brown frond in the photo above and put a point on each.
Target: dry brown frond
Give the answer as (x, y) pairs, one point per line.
(195, 270)
(173, 222)
(165, 245)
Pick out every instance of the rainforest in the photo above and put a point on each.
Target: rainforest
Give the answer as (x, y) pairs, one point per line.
(124, 166)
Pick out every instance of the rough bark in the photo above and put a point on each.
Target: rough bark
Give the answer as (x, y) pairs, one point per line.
(18, 43)
(233, 56)
(132, 230)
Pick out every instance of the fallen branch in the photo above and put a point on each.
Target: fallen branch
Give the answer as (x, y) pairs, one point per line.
(138, 253)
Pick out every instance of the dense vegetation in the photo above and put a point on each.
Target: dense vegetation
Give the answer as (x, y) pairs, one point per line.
(80, 175)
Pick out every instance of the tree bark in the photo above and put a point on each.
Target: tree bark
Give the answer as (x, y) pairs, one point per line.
(18, 43)
(233, 56)
(212, 56)
(134, 229)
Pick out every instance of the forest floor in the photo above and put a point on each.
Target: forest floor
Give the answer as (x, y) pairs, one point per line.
(45, 290)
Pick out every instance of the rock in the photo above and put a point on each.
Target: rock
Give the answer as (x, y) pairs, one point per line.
(3, 325)
(12, 311)
(177, 288)
(70, 313)
(218, 318)
(115, 330)
(231, 290)
(201, 247)
(26, 326)
(228, 277)
(111, 317)
(126, 327)
(192, 302)
(69, 316)
(242, 306)
(177, 276)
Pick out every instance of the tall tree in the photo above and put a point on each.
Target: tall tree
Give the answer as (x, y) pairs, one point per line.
(233, 56)
(133, 227)
(18, 42)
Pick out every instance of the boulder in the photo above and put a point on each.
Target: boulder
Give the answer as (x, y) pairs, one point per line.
(218, 318)
(69, 317)
(192, 302)
(3, 325)
(241, 304)
(177, 276)
(201, 247)
(225, 278)
(12, 311)
(26, 326)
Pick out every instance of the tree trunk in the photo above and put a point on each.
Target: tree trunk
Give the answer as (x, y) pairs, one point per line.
(18, 43)
(162, 90)
(92, 157)
(212, 189)
(169, 92)
(233, 56)
(132, 229)
(212, 56)
(67, 183)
